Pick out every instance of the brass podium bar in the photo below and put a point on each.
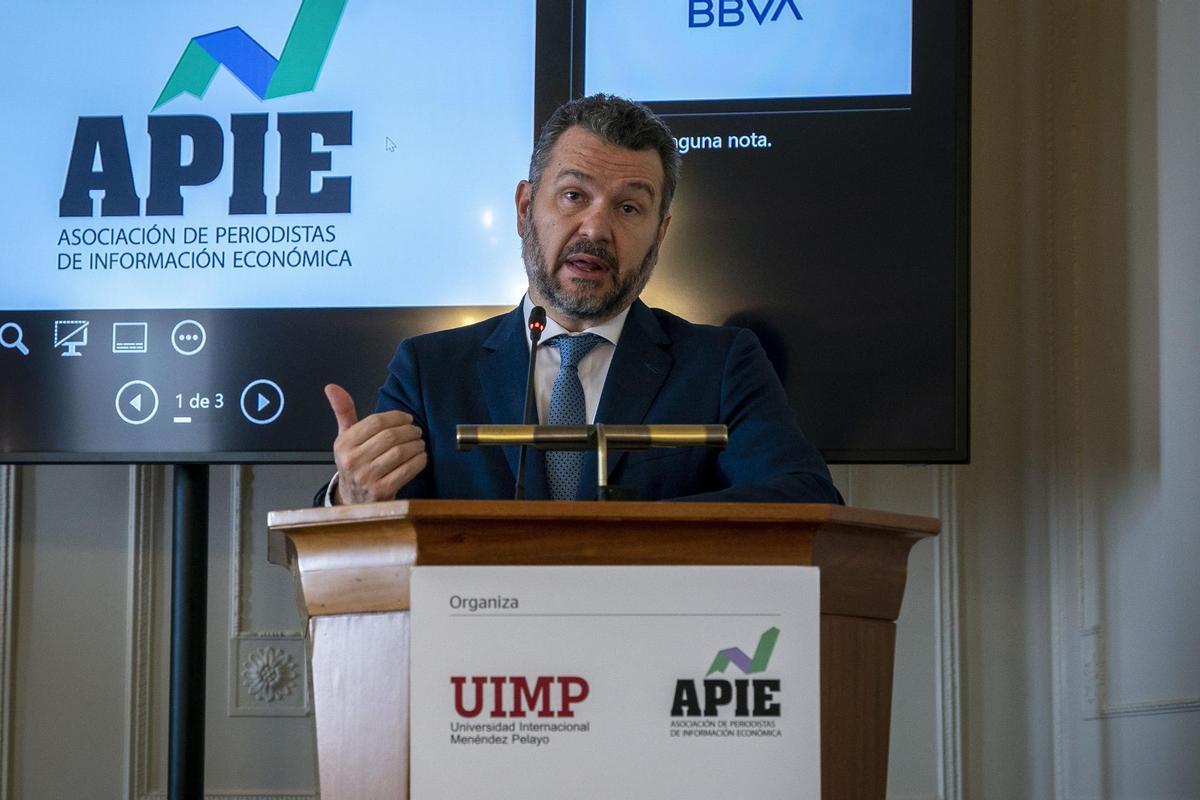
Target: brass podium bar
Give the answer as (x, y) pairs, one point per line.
(354, 562)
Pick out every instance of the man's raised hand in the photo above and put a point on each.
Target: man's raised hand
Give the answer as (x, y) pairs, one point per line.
(376, 455)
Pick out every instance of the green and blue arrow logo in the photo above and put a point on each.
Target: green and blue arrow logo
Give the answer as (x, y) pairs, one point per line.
(295, 71)
(748, 665)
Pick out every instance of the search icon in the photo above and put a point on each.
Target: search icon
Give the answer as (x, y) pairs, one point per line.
(16, 341)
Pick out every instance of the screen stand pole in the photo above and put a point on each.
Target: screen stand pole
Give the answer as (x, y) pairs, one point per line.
(189, 612)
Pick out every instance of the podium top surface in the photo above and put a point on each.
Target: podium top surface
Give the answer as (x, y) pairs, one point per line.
(357, 558)
(532, 511)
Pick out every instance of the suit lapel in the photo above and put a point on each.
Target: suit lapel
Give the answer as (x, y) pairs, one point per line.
(502, 369)
(639, 369)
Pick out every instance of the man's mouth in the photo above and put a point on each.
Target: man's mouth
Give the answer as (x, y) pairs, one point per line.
(586, 264)
(587, 260)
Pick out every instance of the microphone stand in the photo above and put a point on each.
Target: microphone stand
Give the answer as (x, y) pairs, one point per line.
(601, 437)
(537, 324)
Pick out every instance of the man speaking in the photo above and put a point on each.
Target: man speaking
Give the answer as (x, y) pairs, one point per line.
(591, 218)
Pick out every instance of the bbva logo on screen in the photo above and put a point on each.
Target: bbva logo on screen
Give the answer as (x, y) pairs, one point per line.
(102, 139)
(731, 13)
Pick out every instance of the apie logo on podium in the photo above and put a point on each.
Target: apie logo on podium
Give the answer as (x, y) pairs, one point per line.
(738, 698)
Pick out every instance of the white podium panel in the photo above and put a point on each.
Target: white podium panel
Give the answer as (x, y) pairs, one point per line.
(602, 682)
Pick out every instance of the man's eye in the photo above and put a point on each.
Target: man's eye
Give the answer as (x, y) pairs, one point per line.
(571, 195)
(630, 210)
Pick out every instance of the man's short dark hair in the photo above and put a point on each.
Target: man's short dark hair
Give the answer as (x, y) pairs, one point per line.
(618, 121)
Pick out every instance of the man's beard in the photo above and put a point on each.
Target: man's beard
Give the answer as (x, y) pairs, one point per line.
(583, 306)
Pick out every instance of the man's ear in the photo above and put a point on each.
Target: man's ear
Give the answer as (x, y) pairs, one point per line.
(523, 199)
(662, 227)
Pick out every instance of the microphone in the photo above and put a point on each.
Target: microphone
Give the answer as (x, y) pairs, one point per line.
(537, 324)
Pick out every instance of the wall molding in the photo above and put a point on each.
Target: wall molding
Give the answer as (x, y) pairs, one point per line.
(1095, 686)
(1147, 708)
(947, 616)
(240, 489)
(240, 482)
(1060, 622)
(8, 538)
(243, 640)
(145, 487)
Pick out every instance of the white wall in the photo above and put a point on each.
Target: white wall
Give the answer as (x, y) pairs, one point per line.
(1127, 512)
(1046, 645)
(1079, 513)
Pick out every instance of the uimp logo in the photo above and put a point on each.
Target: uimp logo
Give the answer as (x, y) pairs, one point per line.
(746, 697)
(295, 71)
(515, 695)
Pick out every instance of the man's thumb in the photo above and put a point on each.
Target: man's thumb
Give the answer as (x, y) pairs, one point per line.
(343, 406)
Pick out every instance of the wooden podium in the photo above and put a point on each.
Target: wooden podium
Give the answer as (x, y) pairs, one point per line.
(353, 564)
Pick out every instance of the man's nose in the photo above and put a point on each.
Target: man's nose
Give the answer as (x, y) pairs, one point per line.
(596, 224)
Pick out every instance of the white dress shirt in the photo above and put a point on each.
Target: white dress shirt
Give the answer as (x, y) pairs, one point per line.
(593, 369)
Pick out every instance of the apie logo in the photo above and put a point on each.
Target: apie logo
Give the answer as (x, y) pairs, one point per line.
(296, 70)
(730, 13)
(749, 698)
(100, 156)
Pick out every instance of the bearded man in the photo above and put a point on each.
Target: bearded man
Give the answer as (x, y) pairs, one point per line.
(592, 216)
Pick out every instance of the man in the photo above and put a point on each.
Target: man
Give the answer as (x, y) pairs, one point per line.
(591, 218)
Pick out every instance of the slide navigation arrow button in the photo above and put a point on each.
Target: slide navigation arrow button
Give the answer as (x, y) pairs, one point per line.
(137, 402)
(262, 401)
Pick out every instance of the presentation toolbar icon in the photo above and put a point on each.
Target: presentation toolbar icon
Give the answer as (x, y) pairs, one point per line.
(131, 337)
(188, 337)
(12, 337)
(70, 335)
(262, 401)
(137, 402)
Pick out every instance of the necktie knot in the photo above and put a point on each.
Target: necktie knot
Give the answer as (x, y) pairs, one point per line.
(572, 349)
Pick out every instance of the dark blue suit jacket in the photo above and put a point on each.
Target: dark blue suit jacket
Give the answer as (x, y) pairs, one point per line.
(665, 370)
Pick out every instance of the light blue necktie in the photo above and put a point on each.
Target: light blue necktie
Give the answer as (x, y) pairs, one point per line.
(567, 408)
